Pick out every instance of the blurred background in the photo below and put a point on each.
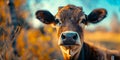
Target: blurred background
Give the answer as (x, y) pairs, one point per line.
(34, 40)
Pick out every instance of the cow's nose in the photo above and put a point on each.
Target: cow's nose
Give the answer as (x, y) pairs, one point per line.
(69, 38)
(72, 36)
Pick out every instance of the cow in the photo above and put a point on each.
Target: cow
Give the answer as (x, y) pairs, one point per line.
(70, 22)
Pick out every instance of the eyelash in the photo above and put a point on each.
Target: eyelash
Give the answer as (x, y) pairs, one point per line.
(58, 22)
(84, 21)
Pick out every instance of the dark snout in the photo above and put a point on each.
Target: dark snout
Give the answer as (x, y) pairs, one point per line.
(69, 38)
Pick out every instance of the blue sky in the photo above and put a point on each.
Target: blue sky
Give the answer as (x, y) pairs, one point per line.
(112, 6)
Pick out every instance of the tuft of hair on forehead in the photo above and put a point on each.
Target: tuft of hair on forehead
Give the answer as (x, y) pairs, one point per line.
(70, 12)
(70, 7)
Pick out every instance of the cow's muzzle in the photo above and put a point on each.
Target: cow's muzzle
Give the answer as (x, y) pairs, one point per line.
(69, 38)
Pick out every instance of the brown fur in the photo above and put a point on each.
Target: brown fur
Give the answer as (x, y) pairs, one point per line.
(70, 16)
(70, 12)
(99, 53)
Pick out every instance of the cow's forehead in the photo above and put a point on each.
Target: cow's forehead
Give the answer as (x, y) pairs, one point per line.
(70, 12)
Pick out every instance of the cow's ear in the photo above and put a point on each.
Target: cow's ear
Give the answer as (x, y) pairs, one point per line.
(45, 16)
(97, 15)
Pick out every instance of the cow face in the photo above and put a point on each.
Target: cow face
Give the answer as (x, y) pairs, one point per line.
(70, 22)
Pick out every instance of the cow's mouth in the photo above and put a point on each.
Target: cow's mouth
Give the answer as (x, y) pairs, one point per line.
(69, 42)
(70, 50)
(69, 47)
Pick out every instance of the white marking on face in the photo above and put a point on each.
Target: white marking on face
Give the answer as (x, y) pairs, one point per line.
(70, 52)
(78, 41)
(83, 17)
(58, 24)
(82, 24)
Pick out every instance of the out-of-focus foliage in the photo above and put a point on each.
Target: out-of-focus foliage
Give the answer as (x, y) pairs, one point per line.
(5, 30)
(41, 43)
(31, 43)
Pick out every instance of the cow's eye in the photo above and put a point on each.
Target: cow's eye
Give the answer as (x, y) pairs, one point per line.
(58, 22)
(82, 24)
(84, 21)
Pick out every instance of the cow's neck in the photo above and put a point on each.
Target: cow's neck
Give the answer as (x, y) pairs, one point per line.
(85, 51)
(90, 52)
(82, 55)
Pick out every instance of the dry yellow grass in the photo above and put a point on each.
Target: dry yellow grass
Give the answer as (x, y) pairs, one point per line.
(110, 39)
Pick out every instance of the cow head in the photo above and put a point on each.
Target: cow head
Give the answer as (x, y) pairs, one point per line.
(70, 21)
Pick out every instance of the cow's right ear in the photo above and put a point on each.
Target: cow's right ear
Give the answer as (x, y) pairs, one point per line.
(97, 15)
(45, 16)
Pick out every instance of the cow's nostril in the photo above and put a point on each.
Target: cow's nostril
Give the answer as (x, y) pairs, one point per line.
(75, 37)
(63, 36)
(69, 38)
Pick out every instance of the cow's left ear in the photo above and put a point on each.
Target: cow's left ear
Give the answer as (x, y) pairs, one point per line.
(97, 15)
(45, 16)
